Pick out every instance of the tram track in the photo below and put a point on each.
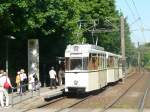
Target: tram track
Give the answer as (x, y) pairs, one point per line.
(110, 105)
(69, 108)
(142, 101)
(52, 101)
(144, 98)
(45, 104)
(132, 74)
(74, 102)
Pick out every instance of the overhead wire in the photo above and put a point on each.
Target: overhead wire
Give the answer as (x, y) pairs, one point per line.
(132, 13)
(136, 8)
(142, 25)
(134, 17)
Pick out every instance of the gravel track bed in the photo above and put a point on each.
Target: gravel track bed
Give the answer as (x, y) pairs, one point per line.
(109, 95)
(100, 99)
(97, 101)
(134, 96)
(57, 106)
(147, 100)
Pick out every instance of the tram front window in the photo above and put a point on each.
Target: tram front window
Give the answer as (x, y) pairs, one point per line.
(85, 63)
(75, 64)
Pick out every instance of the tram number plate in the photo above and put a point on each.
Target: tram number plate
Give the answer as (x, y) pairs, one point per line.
(75, 82)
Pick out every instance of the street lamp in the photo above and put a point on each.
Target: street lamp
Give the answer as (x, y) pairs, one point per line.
(7, 48)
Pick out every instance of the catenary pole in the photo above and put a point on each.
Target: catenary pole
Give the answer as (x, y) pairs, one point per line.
(122, 43)
(139, 57)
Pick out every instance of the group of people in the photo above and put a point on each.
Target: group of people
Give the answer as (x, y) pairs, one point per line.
(4, 97)
(54, 78)
(21, 80)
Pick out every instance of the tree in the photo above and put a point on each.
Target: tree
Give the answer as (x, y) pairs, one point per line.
(60, 19)
(145, 54)
(56, 23)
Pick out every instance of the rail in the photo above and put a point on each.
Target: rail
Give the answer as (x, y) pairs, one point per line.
(118, 98)
(68, 108)
(142, 100)
(18, 97)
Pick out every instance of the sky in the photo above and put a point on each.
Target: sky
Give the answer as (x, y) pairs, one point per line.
(137, 13)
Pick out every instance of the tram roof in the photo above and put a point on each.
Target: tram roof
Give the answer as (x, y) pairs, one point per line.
(113, 54)
(86, 47)
(77, 48)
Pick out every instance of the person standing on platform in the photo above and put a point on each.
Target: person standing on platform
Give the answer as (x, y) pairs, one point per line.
(23, 78)
(18, 81)
(60, 76)
(52, 74)
(4, 97)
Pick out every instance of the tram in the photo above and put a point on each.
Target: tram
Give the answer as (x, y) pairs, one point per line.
(88, 68)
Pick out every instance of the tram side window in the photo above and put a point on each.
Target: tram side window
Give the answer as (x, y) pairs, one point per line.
(102, 61)
(66, 63)
(89, 64)
(85, 63)
(104, 64)
(96, 62)
(116, 62)
(110, 62)
(93, 62)
(98, 59)
(100, 65)
(120, 62)
(105, 61)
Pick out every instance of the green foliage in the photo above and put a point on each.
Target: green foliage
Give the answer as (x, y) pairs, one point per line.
(145, 54)
(59, 20)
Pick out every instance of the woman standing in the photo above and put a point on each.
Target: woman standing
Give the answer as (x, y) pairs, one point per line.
(3, 90)
(18, 81)
(23, 80)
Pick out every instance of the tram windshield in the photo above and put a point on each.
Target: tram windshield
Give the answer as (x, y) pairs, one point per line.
(77, 63)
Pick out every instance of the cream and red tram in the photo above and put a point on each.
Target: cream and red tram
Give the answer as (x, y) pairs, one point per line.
(86, 68)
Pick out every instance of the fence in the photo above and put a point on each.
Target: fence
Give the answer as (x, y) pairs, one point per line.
(18, 97)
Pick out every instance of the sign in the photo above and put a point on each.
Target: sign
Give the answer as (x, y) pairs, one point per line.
(33, 57)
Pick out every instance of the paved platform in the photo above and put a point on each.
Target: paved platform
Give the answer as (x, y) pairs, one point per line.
(31, 100)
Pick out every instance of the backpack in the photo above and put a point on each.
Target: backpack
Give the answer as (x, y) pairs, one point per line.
(6, 84)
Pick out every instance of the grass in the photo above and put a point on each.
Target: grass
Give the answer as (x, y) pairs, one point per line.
(147, 66)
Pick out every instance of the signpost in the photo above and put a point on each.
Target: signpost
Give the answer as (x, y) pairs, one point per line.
(33, 57)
